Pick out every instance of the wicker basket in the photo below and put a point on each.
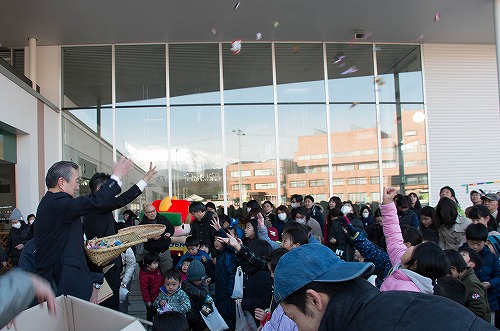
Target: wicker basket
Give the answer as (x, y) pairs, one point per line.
(103, 256)
(146, 231)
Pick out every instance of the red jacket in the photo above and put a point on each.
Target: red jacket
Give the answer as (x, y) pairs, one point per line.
(150, 282)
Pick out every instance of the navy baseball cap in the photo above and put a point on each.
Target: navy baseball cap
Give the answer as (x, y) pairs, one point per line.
(313, 262)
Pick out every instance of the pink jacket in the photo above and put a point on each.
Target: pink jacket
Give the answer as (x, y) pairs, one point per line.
(399, 279)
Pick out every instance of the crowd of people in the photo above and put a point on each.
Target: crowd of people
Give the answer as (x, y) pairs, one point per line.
(299, 267)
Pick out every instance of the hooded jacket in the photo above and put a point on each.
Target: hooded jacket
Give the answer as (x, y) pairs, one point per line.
(178, 301)
(400, 279)
(150, 282)
(361, 306)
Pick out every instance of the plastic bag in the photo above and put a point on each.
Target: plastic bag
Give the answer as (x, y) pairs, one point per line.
(123, 294)
(238, 284)
(214, 320)
(244, 320)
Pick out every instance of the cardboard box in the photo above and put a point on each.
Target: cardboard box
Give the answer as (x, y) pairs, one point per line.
(74, 314)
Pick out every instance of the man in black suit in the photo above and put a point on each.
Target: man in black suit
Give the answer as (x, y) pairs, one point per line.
(60, 256)
(101, 223)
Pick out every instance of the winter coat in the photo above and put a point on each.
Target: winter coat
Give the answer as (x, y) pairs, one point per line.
(279, 225)
(198, 257)
(178, 301)
(344, 247)
(361, 306)
(316, 212)
(162, 244)
(197, 296)
(225, 270)
(128, 263)
(258, 289)
(400, 279)
(18, 293)
(16, 237)
(202, 230)
(490, 272)
(150, 283)
(280, 322)
(408, 218)
(476, 299)
(27, 258)
(454, 237)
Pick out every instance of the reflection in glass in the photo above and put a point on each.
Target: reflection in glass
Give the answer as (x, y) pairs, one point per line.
(86, 76)
(250, 153)
(196, 152)
(140, 75)
(87, 116)
(303, 149)
(194, 74)
(400, 73)
(350, 87)
(405, 163)
(354, 152)
(248, 76)
(300, 73)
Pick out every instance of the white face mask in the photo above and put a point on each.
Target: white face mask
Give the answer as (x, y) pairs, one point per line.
(366, 214)
(282, 216)
(16, 225)
(294, 205)
(346, 209)
(300, 220)
(31, 221)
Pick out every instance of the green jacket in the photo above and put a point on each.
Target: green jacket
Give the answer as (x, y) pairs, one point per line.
(476, 301)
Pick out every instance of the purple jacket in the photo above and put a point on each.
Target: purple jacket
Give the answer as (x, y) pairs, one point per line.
(399, 279)
(279, 322)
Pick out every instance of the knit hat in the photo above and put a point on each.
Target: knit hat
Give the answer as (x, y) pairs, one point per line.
(16, 215)
(196, 271)
(495, 242)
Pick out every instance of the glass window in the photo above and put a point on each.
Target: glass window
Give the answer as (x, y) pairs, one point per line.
(298, 183)
(250, 146)
(196, 152)
(375, 196)
(263, 172)
(350, 73)
(194, 74)
(338, 182)
(400, 73)
(248, 76)
(140, 75)
(265, 186)
(236, 187)
(358, 197)
(299, 72)
(406, 158)
(302, 131)
(317, 182)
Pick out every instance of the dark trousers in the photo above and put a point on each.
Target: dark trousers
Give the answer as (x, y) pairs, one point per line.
(150, 313)
(114, 281)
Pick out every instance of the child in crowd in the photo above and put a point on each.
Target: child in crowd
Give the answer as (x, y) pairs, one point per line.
(172, 297)
(338, 241)
(293, 237)
(251, 231)
(128, 268)
(489, 273)
(476, 299)
(196, 287)
(481, 214)
(471, 258)
(184, 268)
(257, 290)
(193, 251)
(415, 267)
(428, 218)
(171, 321)
(150, 280)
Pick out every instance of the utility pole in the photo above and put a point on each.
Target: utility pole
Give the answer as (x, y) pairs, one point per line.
(239, 133)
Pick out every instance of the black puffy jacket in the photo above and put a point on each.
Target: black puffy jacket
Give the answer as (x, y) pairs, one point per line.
(16, 237)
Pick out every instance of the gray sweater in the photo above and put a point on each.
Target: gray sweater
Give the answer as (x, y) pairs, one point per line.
(17, 294)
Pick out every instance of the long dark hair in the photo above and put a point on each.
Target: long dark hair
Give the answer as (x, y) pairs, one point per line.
(429, 212)
(446, 212)
(431, 261)
(417, 203)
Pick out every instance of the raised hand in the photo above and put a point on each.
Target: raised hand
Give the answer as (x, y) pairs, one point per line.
(230, 241)
(151, 172)
(121, 167)
(214, 222)
(260, 221)
(388, 195)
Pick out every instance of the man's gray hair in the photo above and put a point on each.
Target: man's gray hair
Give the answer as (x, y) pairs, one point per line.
(59, 169)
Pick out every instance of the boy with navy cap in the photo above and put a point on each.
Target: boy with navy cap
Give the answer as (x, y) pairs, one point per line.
(326, 293)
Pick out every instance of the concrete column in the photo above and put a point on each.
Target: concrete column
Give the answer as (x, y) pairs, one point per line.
(496, 18)
(32, 47)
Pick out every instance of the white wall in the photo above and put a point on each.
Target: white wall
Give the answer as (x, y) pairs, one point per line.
(463, 117)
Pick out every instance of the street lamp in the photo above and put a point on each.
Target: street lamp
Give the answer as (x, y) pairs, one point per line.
(239, 133)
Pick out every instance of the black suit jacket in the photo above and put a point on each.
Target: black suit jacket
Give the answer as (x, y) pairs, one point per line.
(60, 256)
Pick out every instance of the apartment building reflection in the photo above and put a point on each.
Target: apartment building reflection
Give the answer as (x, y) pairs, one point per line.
(355, 164)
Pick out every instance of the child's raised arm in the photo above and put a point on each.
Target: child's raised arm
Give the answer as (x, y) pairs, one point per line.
(390, 225)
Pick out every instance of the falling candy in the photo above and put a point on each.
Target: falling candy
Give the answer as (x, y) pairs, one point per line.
(354, 104)
(379, 81)
(258, 36)
(237, 5)
(295, 49)
(214, 31)
(418, 39)
(437, 17)
(236, 46)
(351, 70)
(339, 60)
(276, 24)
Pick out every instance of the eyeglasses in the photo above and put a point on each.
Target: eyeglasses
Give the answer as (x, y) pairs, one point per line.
(150, 211)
